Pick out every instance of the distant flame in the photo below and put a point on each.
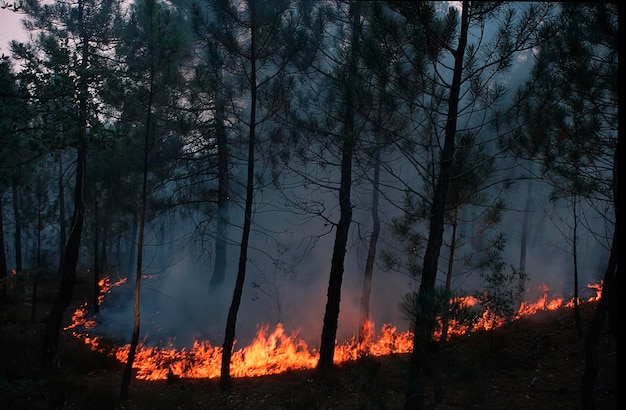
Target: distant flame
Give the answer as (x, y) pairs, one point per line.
(278, 351)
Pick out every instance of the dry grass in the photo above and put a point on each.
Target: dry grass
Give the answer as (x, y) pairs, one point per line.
(534, 363)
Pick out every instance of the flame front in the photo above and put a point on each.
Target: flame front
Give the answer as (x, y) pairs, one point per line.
(277, 351)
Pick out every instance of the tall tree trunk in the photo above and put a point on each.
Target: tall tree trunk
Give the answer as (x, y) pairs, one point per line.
(104, 243)
(133, 245)
(4, 270)
(607, 306)
(33, 306)
(331, 315)
(18, 224)
(524, 240)
(62, 227)
(68, 268)
(415, 392)
(444, 324)
(96, 260)
(221, 228)
(231, 321)
(132, 351)
(70, 260)
(577, 318)
(371, 256)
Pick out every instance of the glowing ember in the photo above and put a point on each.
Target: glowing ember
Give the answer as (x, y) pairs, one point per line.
(277, 351)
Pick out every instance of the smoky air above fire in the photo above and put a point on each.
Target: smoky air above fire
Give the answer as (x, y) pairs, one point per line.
(177, 307)
(176, 304)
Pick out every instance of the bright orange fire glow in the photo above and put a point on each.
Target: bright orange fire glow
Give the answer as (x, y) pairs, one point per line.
(278, 351)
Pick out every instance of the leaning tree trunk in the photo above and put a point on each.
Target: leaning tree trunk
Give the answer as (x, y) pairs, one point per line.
(70, 259)
(371, 258)
(4, 270)
(126, 376)
(577, 318)
(524, 240)
(18, 225)
(453, 244)
(607, 306)
(415, 391)
(221, 226)
(68, 267)
(331, 315)
(62, 228)
(134, 342)
(96, 254)
(231, 320)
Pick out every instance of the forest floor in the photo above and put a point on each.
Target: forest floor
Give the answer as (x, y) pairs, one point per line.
(531, 363)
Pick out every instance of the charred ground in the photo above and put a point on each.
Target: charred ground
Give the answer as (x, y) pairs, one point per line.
(532, 363)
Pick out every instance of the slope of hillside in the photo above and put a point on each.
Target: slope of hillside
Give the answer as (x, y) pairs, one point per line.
(532, 363)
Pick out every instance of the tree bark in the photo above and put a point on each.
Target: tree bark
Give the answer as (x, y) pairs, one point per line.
(70, 260)
(221, 227)
(4, 271)
(68, 268)
(607, 306)
(96, 254)
(62, 227)
(331, 315)
(371, 255)
(18, 224)
(231, 321)
(415, 394)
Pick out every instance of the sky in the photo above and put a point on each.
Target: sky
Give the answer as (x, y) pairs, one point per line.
(10, 29)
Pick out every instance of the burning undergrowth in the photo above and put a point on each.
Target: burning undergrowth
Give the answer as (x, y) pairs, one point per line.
(272, 350)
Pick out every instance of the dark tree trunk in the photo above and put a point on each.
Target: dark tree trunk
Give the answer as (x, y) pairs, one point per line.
(455, 223)
(133, 246)
(70, 260)
(62, 227)
(231, 321)
(96, 260)
(132, 351)
(221, 228)
(68, 268)
(607, 306)
(524, 241)
(104, 263)
(33, 306)
(331, 315)
(4, 270)
(415, 393)
(18, 225)
(371, 255)
(128, 368)
(577, 318)
(134, 342)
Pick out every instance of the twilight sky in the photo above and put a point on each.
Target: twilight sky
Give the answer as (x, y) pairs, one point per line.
(10, 29)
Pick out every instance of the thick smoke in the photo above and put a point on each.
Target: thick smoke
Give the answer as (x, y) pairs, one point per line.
(176, 305)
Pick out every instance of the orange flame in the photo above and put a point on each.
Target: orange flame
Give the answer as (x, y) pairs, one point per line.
(105, 287)
(277, 351)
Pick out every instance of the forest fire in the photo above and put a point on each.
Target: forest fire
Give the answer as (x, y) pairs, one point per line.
(277, 351)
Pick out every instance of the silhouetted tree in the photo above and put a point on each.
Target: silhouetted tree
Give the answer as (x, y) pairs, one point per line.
(153, 50)
(212, 89)
(87, 22)
(469, 84)
(565, 118)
